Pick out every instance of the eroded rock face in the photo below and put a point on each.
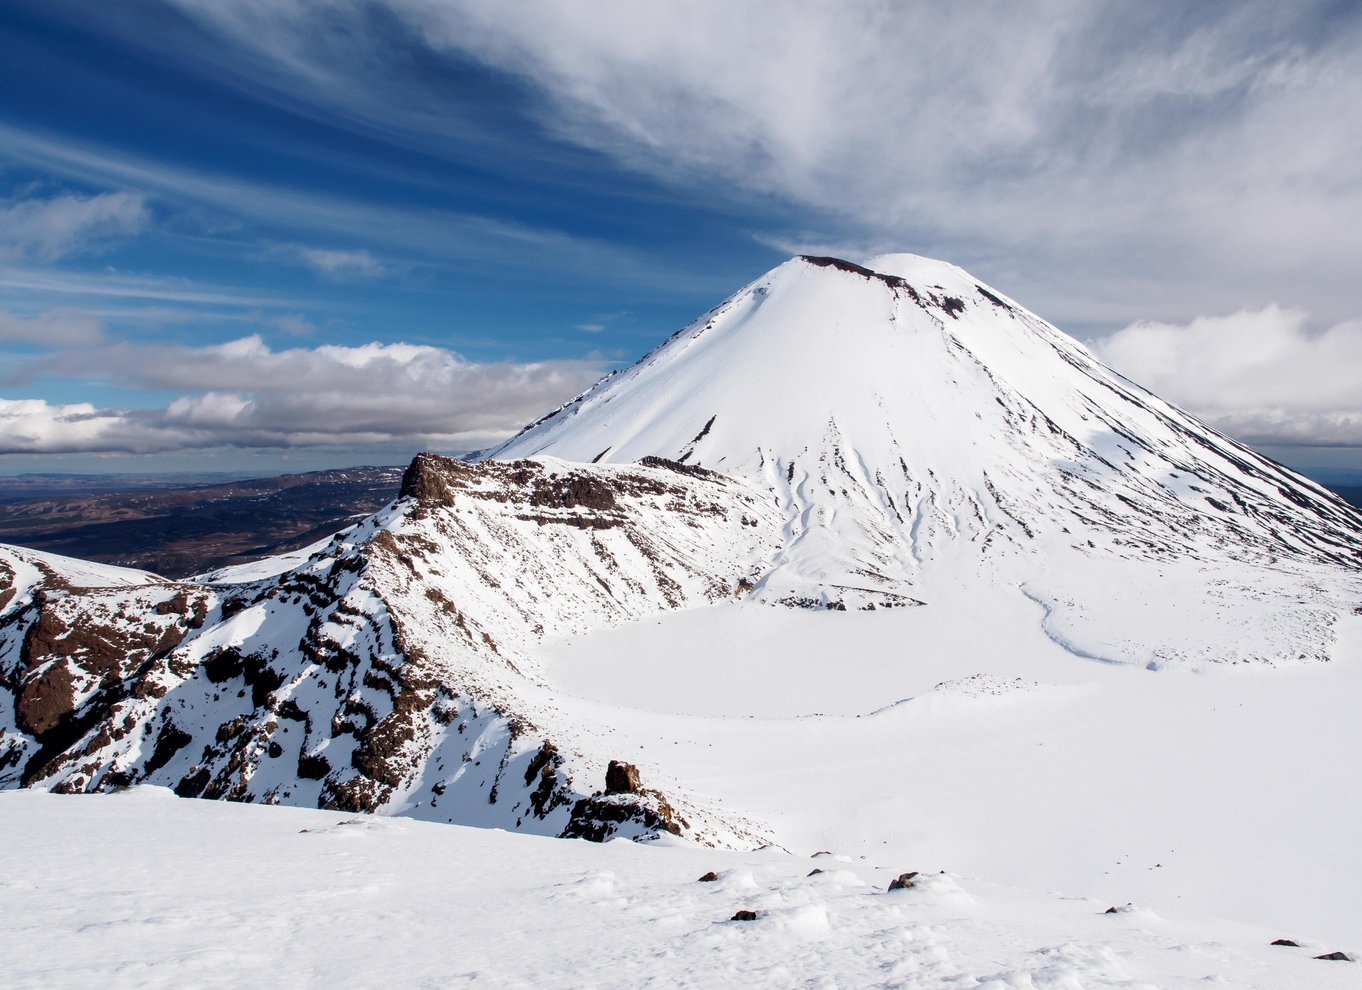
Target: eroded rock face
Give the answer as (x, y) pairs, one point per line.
(70, 656)
(388, 672)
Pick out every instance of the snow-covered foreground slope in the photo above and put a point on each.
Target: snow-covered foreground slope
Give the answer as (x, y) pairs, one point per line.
(334, 900)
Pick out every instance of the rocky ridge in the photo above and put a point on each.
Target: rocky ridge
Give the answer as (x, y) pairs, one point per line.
(392, 671)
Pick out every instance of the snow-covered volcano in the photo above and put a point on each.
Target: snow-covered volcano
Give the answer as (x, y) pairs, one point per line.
(830, 567)
(923, 432)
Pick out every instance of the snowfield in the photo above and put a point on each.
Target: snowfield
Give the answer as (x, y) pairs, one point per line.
(196, 893)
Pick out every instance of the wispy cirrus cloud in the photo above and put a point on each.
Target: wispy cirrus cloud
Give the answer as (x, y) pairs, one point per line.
(54, 283)
(335, 263)
(283, 215)
(1073, 150)
(52, 228)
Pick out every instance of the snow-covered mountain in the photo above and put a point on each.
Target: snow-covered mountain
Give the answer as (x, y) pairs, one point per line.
(922, 432)
(830, 567)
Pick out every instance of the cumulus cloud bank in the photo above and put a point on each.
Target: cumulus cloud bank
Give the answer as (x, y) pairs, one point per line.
(245, 394)
(1260, 375)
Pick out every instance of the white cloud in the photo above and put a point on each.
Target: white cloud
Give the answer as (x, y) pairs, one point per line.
(341, 264)
(243, 393)
(1261, 376)
(48, 229)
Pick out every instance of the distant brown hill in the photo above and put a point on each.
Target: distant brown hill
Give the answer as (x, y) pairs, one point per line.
(185, 530)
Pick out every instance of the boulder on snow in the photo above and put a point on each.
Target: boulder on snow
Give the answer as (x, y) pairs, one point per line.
(814, 872)
(744, 916)
(622, 778)
(904, 881)
(709, 877)
(1286, 941)
(1336, 957)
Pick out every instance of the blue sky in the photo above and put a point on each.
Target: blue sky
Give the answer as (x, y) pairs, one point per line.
(279, 235)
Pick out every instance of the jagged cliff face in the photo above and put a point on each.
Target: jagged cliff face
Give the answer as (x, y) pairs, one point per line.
(394, 669)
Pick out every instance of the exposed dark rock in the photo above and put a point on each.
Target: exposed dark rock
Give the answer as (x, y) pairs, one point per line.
(223, 665)
(43, 701)
(193, 783)
(1287, 942)
(427, 478)
(744, 916)
(1336, 957)
(709, 877)
(578, 489)
(904, 881)
(622, 778)
(598, 818)
(313, 766)
(357, 794)
(814, 872)
(1112, 910)
(893, 281)
(232, 606)
(705, 430)
(543, 767)
(169, 741)
(693, 470)
(992, 298)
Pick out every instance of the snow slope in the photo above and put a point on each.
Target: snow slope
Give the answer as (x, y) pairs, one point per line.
(333, 900)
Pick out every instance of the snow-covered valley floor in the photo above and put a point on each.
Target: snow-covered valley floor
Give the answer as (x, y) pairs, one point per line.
(141, 889)
(1216, 790)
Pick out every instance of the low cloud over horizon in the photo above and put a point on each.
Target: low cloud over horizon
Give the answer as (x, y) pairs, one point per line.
(243, 393)
(1260, 376)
